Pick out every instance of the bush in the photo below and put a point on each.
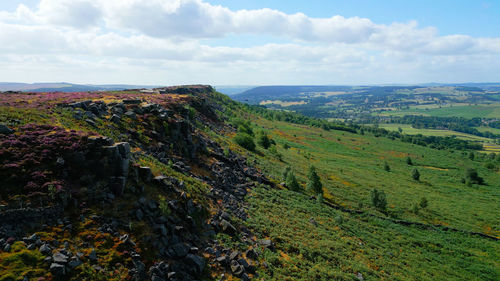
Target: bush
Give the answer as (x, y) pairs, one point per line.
(471, 176)
(415, 174)
(423, 203)
(314, 183)
(286, 146)
(285, 172)
(245, 141)
(408, 161)
(291, 182)
(386, 167)
(378, 199)
(264, 141)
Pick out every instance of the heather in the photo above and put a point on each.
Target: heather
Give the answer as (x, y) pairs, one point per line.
(183, 183)
(29, 158)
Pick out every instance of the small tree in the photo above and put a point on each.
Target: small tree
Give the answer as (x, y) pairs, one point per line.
(415, 174)
(386, 167)
(285, 172)
(408, 161)
(291, 182)
(423, 203)
(471, 155)
(245, 141)
(378, 199)
(314, 183)
(471, 176)
(264, 141)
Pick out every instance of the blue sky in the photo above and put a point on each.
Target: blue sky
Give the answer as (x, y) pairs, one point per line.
(249, 42)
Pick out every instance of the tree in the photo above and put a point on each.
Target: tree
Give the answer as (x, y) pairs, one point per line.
(291, 182)
(245, 141)
(408, 161)
(379, 200)
(471, 176)
(415, 174)
(264, 141)
(285, 172)
(471, 155)
(314, 183)
(423, 203)
(386, 167)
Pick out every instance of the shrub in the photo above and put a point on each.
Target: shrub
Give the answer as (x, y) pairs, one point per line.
(285, 172)
(409, 161)
(423, 203)
(471, 176)
(291, 181)
(245, 141)
(314, 183)
(378, 199)
(471, 155)
(386, 167)
(286, 146)
(415, 174)
(264, 141)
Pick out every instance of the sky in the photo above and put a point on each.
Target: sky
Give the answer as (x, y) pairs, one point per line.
(242, 42)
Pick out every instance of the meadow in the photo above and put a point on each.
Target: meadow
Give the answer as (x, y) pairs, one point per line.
(466, 111)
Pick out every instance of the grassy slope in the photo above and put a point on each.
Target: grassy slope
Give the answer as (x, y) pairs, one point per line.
(350, 166)
(466, 111)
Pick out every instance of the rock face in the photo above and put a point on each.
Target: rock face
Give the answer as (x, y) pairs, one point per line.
(4, 130)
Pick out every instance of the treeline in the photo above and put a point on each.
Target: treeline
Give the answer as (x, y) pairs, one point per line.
(430, 141)
(458, 124)
(296, 118)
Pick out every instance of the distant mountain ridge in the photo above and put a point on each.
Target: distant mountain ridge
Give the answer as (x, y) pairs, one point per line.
(65, 87)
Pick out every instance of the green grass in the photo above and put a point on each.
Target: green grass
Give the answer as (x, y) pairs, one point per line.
(488, 129)
(408, 129)
(350, 166)
(375, 248)
(466, 111)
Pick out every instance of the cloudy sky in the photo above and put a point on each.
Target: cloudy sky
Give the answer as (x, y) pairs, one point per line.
(242, 42)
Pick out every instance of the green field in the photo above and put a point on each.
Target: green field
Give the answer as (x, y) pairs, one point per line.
(488, 129)
(340, 245)
(408, 129)
(466, 111)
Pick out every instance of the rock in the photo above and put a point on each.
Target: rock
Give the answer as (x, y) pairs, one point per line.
(117, 185)
(179, 250)
(266, 243)
(234, 255)
(156, 278)
(139, 214)
(132, 101)
(222, 260)
(93, 255)
(59, 258)
(4, 130)
(145, 174)
(115, 119)
(360, 276)
(227, 227)
(197, 262)
(245, 277)
(236, 268)
(251, 254)
(91, 122)
(313, 221)
(31, 247)
(131, 115)
(58, 270)
(6, 248)
(74, 262)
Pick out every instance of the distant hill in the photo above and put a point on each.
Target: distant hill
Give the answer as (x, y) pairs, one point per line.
(232, 90)
(64, 87)
(258, 94)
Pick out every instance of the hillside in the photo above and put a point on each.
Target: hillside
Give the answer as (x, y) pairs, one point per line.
(127, 185)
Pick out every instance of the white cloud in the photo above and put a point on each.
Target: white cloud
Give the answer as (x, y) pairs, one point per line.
(166, 36)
